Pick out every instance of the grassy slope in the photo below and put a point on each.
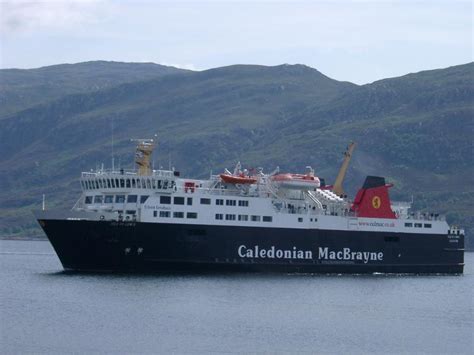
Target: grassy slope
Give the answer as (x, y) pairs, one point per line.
(22, 88)
(416, 130)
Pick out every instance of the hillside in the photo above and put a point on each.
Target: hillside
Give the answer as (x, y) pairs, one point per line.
(20, 88)
(416, 130)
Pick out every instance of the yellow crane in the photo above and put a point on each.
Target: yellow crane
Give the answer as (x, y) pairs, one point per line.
(337, 187)
(143, 155)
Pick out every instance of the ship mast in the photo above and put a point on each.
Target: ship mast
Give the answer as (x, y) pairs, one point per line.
(143, 155)
(337, 187)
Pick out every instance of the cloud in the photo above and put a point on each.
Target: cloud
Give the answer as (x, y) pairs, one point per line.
(29, 16)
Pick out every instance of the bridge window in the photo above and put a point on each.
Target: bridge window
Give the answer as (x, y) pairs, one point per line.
(98, 199)
(153, 184)
(108, 184)
(132, 198)
(143, 198)
(109, 198)
(165, 184)
(119, 198)
(128, 183)
(148, 185)
(165, 200)
(96, 184)
(267, 218)
(88, 200)
(191, 215)
(133, 183)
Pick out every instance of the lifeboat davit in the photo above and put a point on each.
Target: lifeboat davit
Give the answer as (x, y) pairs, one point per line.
(238, 179)
(296, 181)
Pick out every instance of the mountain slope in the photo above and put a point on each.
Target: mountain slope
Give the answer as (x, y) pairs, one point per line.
(416, 130)
(21, 88)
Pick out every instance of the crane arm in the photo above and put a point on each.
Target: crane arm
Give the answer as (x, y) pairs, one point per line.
(337, 187)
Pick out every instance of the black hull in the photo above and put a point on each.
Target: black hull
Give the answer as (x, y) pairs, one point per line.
(134, 246)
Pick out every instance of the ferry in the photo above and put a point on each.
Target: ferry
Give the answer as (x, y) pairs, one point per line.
(155, 220)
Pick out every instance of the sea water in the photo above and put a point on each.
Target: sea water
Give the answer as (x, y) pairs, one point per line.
(46, 310)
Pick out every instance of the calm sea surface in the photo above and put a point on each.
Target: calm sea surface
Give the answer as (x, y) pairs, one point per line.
(44, 310)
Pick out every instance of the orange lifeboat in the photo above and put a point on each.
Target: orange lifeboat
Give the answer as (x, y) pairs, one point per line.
(297, 181)
(238, 179)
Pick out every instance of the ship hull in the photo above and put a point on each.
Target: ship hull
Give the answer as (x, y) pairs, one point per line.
(150, 247)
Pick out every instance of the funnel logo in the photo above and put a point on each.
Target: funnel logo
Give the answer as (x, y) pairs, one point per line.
(376, 202)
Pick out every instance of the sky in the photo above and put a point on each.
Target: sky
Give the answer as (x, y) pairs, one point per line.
(358, 41)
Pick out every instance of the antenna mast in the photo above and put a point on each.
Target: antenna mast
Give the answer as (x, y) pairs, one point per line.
(113, 154)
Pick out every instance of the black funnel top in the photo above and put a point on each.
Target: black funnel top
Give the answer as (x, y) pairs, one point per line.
(373, 181)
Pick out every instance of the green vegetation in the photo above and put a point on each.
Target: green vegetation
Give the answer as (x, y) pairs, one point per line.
(416, 130)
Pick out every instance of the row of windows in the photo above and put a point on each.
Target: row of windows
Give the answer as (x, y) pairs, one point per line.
(167, 214)
(166, 200)
(99, 199)
(243, 217)
(418, 225)
(178, 200)
(220, 202)
(140, 183)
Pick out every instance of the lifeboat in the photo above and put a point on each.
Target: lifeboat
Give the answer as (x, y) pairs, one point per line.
(238, 179)
(297, 181)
